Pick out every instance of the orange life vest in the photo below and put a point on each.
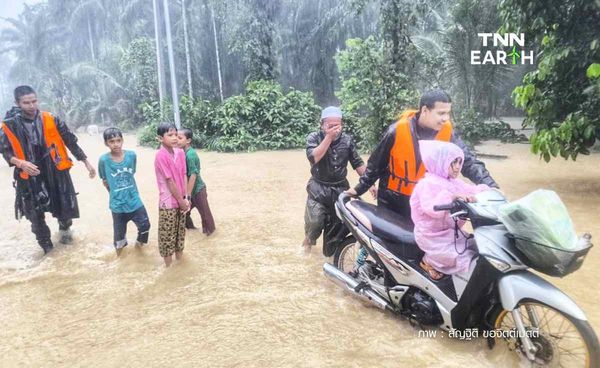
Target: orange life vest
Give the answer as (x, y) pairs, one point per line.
(54, 143)
(404, 173)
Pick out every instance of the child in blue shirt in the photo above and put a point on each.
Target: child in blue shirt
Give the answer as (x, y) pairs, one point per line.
(116, 169)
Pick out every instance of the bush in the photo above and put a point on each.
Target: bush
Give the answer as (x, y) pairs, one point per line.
(373, 92)
(474, 129)
(265, 118)
(147, 135)
(262, 118)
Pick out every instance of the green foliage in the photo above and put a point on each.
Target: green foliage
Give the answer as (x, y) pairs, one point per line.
(561, 97)
(396, 19)
(147, 134)
(593, 71)
(474, 129)
(478, 87)
(254, 37)
(373, 92)
(152, 115)
(264, 117)
(139, 68)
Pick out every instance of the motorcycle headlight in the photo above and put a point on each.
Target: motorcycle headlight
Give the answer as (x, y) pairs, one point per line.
(499, 265)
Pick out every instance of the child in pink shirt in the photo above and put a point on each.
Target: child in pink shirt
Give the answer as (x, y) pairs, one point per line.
(170, 169)
(435, 230)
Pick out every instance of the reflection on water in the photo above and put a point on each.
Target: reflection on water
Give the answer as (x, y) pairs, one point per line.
(246, 296)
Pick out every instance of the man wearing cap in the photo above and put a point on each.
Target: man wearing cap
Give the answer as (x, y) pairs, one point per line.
(328, 151)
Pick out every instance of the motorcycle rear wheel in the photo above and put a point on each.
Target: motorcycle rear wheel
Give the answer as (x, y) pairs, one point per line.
(346, 253)
(562, 341)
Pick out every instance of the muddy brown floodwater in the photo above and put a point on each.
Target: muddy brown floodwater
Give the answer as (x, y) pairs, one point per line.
(246, 296)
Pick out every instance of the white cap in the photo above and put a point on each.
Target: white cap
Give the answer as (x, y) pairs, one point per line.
(331, 112)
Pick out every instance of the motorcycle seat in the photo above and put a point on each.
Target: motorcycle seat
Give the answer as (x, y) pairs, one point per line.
(382, 222)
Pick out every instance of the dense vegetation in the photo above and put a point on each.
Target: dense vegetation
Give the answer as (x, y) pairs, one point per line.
(562, 96)
(241, 66)
(262, 118)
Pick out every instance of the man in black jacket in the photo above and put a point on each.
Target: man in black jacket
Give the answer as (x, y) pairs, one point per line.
(35, 143)
(329, 151)
(396, 161)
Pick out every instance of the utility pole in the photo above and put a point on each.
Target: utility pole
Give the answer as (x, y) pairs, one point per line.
(212, 16)
(162, 88)
(172, 66)
(186, 40)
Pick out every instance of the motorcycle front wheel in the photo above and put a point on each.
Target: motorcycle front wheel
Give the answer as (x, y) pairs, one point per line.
(560, 340)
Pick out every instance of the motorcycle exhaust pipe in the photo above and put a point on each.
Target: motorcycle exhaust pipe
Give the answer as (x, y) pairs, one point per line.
(348, 283)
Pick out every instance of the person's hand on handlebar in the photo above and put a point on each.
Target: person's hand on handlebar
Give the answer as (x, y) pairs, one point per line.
(373, 191)
(351, 192)
(464, 198)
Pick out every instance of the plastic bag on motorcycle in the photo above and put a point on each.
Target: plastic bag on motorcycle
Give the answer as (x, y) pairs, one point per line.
(544, 233)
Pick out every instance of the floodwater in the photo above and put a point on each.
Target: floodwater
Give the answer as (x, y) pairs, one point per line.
(246, 296)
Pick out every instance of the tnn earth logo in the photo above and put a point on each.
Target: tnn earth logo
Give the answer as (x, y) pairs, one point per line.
(499, 56)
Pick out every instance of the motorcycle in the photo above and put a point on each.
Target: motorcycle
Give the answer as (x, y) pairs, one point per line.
(498, 299)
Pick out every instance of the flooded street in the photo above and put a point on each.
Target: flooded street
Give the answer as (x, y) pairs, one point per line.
(246, 296)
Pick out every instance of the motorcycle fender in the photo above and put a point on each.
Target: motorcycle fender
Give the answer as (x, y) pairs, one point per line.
(517, 286)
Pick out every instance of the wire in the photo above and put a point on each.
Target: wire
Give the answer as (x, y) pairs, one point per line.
(466, 236)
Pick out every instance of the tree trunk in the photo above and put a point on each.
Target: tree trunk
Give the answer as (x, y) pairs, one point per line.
(91, 38)
(212, 16)
(186, 41)
(162, 88)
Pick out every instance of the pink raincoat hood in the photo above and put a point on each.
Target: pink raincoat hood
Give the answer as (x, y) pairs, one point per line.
(437, 156)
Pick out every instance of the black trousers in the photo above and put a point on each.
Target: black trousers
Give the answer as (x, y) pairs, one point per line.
(320, 217)
(41, 229)
(394, 202)
(139, 218)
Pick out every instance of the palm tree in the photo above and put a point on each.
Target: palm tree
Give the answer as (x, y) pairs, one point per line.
(85, 17)
(101, 98)
(29, 38)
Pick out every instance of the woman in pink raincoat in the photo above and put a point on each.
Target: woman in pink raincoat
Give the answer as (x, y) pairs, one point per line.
(435, 230)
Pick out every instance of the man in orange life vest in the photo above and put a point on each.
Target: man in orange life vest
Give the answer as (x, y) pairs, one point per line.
(35, 143)
(396, 161)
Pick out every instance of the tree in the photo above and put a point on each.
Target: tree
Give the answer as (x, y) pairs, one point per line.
(85, 16)
(253, 36)
(560, 97)
(397, 17)
(102, 99)
(373, 92)
(138, 67)
(38, 60)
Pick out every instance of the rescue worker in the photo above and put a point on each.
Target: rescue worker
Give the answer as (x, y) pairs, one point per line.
(396, 161)
(35, 143)
(328, 151)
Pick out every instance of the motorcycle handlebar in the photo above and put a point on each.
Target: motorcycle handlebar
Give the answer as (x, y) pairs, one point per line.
(444, 207)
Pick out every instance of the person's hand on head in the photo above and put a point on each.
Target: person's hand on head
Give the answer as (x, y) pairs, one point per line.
(332, 130)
